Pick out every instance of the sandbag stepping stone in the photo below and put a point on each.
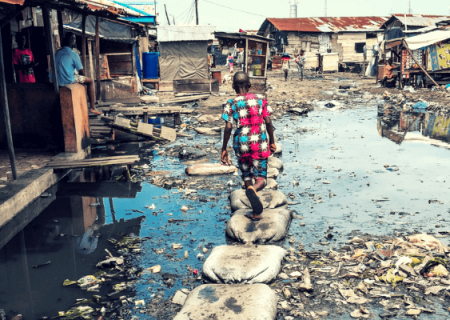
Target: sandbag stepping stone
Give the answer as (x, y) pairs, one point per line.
(227, 302)
(279, 148)
(208, 169)
(208, 131)
(270, 199)
(272, 227)
(276, 163)
(243, 264)
(272, 173)
(271, 184)
(189, 153)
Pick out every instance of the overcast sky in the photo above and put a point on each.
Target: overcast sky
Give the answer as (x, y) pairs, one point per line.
(213, 13)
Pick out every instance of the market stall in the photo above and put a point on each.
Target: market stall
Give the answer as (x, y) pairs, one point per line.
(426, 57)
(255, 53)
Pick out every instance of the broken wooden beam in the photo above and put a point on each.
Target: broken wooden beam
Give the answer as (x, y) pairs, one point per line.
(186, 99)
(96, 162)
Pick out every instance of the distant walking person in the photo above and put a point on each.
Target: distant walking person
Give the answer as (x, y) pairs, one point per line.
(285, 65)
(300, 61)
(230, 62)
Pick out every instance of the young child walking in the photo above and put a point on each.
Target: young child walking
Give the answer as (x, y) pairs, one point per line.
(253, 139)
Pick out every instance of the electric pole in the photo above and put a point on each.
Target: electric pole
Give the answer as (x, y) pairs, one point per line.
(167, 16)
(410, 10)
(325, 8)
(196, 11)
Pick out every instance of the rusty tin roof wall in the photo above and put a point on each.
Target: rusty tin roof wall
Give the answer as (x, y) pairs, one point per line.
(328, 24)
(420, 20)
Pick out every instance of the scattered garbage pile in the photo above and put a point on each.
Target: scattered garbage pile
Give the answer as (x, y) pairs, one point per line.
(390, 277)
(119, 276)
(412, 103)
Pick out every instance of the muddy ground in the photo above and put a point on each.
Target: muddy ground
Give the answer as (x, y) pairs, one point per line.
(375, 189)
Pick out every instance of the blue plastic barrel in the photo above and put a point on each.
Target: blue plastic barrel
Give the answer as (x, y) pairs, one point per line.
(150, 65)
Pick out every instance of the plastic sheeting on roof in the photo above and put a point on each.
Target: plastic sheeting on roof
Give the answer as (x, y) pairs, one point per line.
(427, 39)
(185, 33)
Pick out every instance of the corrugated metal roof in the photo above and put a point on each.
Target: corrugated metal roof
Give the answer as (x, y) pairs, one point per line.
(168, 33)
(420, 20)
(328, 24)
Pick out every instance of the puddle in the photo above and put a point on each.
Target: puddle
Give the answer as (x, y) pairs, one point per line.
(348, 148)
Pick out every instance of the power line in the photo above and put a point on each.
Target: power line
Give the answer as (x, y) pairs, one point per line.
(255, 14)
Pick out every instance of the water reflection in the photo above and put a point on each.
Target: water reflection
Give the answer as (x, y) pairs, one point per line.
(414, 126)
(72, 233)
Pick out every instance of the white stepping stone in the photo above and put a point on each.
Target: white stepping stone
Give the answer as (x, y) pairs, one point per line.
(275, 163)
(270, 199)
(279, 148)
(207, 169)
(273, 226)
(244, 264)
(271, 184)
(272, 173)
(227, 302)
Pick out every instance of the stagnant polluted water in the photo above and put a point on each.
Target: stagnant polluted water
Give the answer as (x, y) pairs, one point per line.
(356, 171)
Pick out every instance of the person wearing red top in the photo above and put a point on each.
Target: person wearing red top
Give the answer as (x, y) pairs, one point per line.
(23, 60)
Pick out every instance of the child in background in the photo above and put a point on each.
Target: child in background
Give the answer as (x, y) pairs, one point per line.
(285, 65)
(230, 62)
(253, 139)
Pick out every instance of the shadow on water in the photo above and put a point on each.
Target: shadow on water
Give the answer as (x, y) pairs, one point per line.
(343, 147)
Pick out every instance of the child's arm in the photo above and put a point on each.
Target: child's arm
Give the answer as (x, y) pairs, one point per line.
(269, 128)
(226, 137)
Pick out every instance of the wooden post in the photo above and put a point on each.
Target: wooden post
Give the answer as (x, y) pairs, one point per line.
(196, 11)
(401, 63)
(267, 60)
(4, 92)
(83, 41)
(245, 55)
(167, 16)
(145, 114)
(417, 62)
(97, 57)
(60, 27)
(91, 60)
(50, 47)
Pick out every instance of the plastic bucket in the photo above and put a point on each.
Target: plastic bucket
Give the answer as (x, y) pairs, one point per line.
(156, 121)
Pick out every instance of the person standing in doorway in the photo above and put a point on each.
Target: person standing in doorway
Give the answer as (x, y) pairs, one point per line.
(70, 70)
(300, 61)
(23, 60)
(285, 65)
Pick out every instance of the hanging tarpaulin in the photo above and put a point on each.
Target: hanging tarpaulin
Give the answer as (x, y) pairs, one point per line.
(108, 30)
(427, 39)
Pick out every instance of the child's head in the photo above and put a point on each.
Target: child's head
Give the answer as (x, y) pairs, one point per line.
(241, 82)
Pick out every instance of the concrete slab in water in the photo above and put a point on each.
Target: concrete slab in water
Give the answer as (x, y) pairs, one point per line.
(226, 302)
(273, 226)
(270, 199)
(244, 264)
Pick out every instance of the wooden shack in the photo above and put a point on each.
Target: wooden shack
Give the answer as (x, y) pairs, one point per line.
(346, 36)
